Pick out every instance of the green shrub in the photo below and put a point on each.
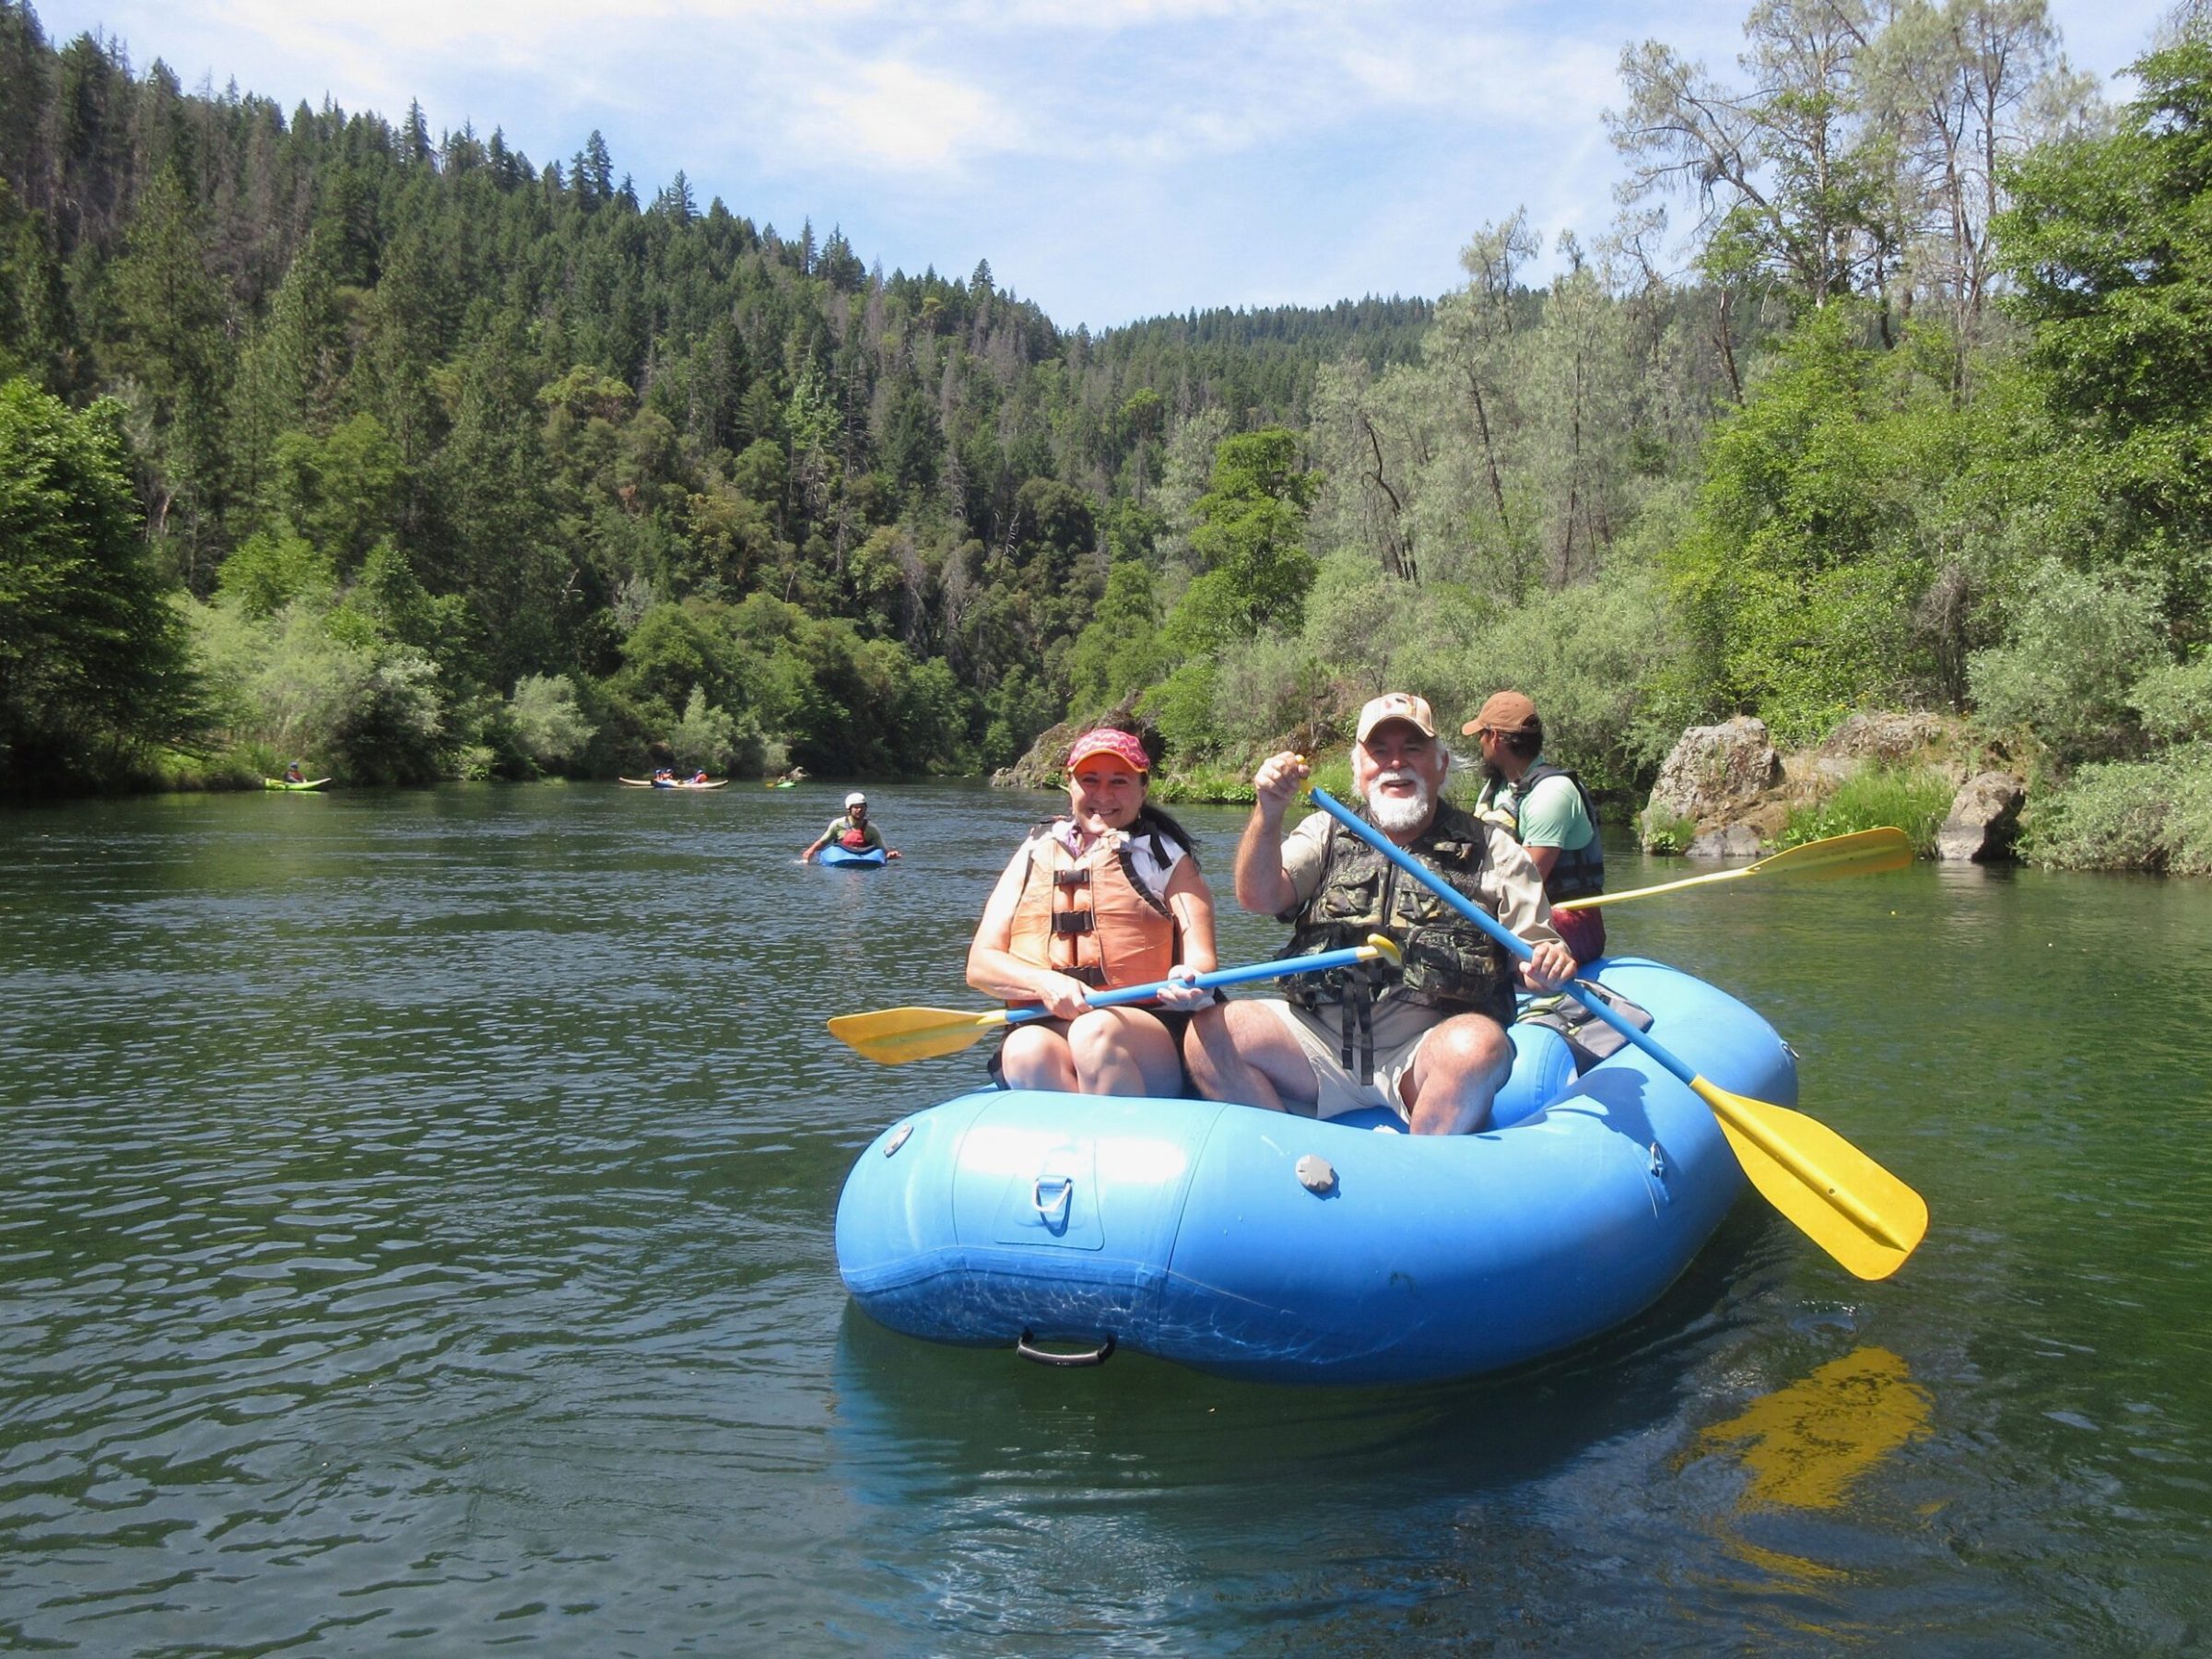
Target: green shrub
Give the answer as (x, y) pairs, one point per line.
(2076, 650)
(1232, 786)
(1914, 799)
(1262, 688)
(2175, 700)
(269, 569)
(1218, 785)
(1586, 657)
(713, 738)
(1333, 773)
(1670, 835)
(2149, 815)
(1182, 706)
(1804, 557)
(549, 726)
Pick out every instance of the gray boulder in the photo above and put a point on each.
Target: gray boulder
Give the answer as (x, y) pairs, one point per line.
(1732, 841)
(1716, 776)
(1984, 816)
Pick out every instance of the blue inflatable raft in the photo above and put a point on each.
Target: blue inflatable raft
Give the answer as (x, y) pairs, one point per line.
(844, 857)
(1264, 1246)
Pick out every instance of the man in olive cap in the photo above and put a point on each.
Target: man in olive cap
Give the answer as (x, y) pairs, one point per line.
(1546, 809)
(1428, 1044)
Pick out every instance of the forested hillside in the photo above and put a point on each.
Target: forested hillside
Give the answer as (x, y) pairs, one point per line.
(327, 436)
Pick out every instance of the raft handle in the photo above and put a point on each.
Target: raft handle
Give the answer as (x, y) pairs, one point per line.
(1027, 1347)
(1054, 1209)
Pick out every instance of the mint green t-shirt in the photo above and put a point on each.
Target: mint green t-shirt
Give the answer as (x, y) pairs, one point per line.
(1550, 815)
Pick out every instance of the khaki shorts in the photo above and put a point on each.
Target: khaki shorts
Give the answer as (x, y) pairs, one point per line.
(1338, 1090)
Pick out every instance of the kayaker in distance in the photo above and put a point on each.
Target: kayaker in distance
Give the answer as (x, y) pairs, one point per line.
(293, 774)
(852, 832)
(1546, 808)
(1109, 895)
(1432, 1045)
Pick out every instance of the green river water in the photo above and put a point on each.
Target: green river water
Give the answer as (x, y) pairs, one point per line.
(416, 1235)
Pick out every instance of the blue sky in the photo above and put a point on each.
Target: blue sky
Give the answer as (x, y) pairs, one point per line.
(1111, 161)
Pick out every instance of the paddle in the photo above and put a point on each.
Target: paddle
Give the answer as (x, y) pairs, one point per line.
(1841, 1199)
(1862, 852)
(894, 1036)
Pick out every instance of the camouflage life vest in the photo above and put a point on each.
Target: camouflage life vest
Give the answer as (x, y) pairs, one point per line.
(1450, 963)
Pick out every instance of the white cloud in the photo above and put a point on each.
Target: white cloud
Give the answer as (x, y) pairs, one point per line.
(1111, 157)
(896, 115)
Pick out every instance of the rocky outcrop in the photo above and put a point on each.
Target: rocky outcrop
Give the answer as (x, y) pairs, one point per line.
(1045, 766)
(1938, 743)
(1724, 793)
(1715, 777)
(1984, 816)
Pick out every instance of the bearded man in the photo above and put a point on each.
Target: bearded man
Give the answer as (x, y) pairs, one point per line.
(1428, 1044)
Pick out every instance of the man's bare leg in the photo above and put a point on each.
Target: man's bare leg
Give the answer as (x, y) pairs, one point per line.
(1240, 1051)
(1456, 1074)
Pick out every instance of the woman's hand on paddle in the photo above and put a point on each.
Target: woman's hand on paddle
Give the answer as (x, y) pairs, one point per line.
(1550, 966)
(1063, 997)
(1185, 995)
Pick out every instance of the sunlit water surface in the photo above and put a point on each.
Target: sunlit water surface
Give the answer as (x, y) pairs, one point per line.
(416, 1228)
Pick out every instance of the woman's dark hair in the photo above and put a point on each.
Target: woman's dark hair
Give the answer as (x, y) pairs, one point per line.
(1149, 813)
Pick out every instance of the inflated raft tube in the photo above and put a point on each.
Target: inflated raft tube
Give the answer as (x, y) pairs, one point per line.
(836, 856)
(1260, 1245)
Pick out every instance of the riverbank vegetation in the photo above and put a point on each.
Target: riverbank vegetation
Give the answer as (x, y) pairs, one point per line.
(325, 437)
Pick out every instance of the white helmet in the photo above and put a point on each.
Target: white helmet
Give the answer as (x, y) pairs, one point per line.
(856, 799)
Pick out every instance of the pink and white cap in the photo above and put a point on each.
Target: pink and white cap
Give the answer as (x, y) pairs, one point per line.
(1106, 740)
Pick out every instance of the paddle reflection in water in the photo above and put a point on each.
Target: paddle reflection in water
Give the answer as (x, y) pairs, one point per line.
(1009, 1499)
(1807, 1446)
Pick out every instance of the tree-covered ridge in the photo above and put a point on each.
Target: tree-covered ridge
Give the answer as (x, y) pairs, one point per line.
(351, 356)
(462, 464)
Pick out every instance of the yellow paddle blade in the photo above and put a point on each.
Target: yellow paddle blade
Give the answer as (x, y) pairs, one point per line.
(894, 1036)
(1838, 1197)
(1862, 852)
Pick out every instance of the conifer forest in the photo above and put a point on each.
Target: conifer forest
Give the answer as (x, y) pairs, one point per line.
(324, 435)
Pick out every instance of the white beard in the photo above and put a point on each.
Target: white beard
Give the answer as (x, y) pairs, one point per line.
(1399, 815)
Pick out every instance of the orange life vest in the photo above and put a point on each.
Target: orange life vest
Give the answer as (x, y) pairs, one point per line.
(1092, 918)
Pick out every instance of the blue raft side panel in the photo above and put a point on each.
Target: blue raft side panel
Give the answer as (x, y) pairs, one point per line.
(835, 856)
(1181, 1228)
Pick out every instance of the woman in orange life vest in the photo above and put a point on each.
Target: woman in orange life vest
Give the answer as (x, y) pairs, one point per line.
(1109, 895)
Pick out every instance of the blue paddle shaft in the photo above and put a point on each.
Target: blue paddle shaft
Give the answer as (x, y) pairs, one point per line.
(1518, 946)
(1278, 968)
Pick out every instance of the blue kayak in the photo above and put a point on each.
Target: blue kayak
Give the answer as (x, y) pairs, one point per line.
(844, 857)
(1257, 1245)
